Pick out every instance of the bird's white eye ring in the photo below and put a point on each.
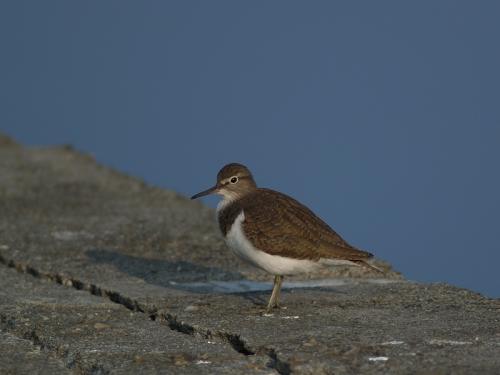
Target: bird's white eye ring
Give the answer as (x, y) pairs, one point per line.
(234, 180)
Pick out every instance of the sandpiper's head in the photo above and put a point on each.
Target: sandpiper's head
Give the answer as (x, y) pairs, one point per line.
(233, 181)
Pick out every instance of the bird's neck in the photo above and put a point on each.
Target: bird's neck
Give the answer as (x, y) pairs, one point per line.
(229, 197)
(224, 202)
(227, 212)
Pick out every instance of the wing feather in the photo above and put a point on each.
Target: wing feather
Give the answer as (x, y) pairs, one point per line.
(280, 225)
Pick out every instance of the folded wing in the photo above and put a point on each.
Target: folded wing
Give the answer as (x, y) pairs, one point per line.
(280, 225)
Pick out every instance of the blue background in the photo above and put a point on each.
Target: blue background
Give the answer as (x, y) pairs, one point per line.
(383, 117)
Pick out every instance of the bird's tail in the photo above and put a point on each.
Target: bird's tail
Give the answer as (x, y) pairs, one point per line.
(367, 265)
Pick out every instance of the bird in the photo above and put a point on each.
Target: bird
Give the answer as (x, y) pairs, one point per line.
(275, 232)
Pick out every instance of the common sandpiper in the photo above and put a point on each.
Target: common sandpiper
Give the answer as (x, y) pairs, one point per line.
(274, 232)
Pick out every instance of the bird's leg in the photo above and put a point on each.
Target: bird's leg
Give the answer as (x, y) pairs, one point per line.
(280, 281)
(275, 295)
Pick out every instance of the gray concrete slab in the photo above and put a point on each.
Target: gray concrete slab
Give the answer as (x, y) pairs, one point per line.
(366, 328)
(20, 356)
(69, 329)
(115, 266)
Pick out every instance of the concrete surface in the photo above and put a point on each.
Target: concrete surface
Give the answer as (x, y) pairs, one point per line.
(100, 273)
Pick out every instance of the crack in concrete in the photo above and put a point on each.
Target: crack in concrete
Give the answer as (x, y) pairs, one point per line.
(234, 340)
(282, 367)
(69, 360)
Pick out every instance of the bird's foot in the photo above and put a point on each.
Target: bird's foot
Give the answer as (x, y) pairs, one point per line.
(270, 308)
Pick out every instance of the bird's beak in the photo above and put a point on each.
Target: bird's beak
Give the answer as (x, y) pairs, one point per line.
(212, 190)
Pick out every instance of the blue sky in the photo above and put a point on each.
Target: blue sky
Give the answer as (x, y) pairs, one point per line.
(383, 117)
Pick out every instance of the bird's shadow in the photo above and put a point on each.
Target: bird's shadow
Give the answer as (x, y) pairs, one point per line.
(179, 275)
(160, 272)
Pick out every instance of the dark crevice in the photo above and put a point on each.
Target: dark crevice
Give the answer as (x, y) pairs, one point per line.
(277, 364)
(234, 340)
(177, 325)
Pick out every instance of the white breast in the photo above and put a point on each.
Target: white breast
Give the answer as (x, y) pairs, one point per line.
(274, 264)
(222, 204)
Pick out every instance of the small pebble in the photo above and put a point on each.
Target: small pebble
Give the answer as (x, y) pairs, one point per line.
(378, 359)
(101, 326)
(180, 360)
(191, 308)
(394, 342)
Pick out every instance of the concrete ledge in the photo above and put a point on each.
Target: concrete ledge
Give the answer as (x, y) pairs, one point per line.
(100, 273)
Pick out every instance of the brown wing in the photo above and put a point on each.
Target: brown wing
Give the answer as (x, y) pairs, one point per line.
(280, 225)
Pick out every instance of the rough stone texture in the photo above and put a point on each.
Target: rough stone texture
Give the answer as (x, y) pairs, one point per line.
(100, 273)
(92, 334)
(19, 355)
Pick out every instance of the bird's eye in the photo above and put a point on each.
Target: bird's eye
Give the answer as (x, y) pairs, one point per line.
(234, 180)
